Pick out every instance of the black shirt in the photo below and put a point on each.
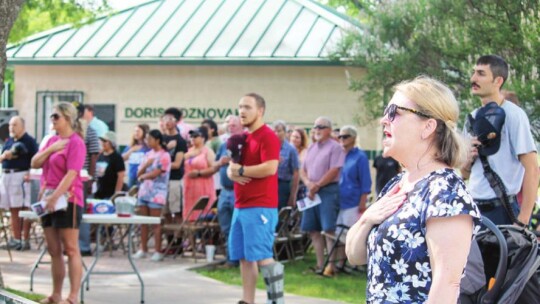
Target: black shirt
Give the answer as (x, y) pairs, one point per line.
(387, 168)
(107, 168)
(181, 146)
(21, 161)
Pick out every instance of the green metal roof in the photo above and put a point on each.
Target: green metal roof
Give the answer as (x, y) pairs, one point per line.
(194, 32)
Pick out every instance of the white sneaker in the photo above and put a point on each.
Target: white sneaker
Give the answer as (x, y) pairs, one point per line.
(140, 255)
(157, 257)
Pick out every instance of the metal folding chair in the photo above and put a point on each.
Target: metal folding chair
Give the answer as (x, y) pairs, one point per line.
(282, 246)
(187, 229)
(4, 222)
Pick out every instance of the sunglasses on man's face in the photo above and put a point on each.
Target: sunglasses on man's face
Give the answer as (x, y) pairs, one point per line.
(320, 127)
(391, 111)
(345, 136)
(55, 116)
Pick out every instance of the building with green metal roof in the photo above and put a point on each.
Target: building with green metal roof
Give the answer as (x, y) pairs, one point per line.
(195, 54)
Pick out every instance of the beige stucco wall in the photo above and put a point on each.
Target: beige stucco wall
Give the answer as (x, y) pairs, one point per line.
(296, 94)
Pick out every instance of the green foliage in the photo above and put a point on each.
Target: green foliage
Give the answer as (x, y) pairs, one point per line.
(40, 15)
(300, 280)
(443, 38)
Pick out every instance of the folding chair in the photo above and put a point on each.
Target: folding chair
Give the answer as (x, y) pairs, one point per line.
(187, 228)
(282, 250)
(339, 242)
(5, 232)
(297, 239)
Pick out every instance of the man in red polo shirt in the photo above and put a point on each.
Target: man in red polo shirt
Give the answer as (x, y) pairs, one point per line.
(255, 217)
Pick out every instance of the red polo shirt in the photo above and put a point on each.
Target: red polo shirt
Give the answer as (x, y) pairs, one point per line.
(261, 146)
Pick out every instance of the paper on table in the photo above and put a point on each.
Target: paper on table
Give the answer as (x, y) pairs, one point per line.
(39, 207)
(307, 203)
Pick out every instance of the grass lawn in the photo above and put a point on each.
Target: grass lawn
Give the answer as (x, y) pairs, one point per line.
(30, 296)
(300, 280)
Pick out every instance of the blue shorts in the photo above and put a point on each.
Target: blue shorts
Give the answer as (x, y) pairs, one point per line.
(323, 217)
(148, 204)
(252, 234)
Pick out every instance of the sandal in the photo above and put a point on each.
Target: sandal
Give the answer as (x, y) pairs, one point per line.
(67, 301)
(316, 270)
(48, 300)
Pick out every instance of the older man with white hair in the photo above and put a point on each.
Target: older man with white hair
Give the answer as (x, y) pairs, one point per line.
(320, 173)
(14, 185)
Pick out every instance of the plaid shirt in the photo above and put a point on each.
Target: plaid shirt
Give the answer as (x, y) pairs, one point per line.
(288, 162)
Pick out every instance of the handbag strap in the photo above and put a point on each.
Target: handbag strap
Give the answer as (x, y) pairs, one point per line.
(497, 184)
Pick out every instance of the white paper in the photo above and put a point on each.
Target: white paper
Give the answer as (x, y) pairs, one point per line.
(307, 203)
(39, 207)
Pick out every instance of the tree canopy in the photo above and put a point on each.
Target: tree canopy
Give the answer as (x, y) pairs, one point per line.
(442, 38)
(34, 16)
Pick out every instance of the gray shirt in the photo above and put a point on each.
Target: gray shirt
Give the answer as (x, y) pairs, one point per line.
(516, 139)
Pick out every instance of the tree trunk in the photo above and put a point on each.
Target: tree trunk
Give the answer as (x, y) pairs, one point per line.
(9, 10)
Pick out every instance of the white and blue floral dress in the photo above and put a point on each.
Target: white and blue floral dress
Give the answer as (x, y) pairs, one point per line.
(399, 269)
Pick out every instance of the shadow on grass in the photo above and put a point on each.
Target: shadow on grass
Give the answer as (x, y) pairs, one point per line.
(299, 280)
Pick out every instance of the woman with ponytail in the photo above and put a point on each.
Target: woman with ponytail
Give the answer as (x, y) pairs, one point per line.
(153, 176)
(62, 159)
(416, 237)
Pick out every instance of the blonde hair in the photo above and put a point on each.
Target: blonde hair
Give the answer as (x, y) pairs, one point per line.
(70, 114)
(436, 100)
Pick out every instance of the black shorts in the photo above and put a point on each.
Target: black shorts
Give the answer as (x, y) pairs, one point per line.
(63, 218)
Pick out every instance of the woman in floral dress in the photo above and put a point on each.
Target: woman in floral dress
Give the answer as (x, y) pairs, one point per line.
(416, 238)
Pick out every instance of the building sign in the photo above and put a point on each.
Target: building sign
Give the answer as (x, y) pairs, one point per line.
(187, 113)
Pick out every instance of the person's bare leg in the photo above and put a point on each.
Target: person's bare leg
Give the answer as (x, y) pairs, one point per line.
(318, 245)
(15, 223)
(26, 227)
(143, 210)
(58, 271)
(329, 244)
(250, 273)
(157, 229)
(70, 240)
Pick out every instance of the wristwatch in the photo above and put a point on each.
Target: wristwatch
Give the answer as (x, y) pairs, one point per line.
(241, 171)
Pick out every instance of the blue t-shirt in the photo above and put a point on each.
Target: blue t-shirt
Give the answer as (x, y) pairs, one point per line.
(288, 162)
(355, 179)
(226, 182)
(22, 161)
(399, 268)
(134, 161)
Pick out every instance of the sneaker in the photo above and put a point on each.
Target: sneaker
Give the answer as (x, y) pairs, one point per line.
(157, 257)
(25, 245)
(140, 255)
(14, 244)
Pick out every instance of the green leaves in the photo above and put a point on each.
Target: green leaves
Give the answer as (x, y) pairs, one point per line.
(443, 38)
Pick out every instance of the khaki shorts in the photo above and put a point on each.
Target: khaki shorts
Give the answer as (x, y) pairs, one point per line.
(174, 198)
(14, 191)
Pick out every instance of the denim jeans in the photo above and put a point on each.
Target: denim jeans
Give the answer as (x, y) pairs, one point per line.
(225, 211)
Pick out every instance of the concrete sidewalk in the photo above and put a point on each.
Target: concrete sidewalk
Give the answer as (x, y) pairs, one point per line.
(169, 281)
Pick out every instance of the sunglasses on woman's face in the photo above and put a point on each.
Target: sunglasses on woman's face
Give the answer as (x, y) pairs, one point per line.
(391, 111)
(344, 136)
(55, 116)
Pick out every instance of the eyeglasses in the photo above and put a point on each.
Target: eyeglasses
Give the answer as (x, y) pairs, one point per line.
(168, 118)
(55, 116)
(391, 111)
(344, 136)
(320, 127)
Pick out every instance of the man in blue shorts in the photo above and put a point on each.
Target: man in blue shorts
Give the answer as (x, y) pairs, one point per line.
(254, 221)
